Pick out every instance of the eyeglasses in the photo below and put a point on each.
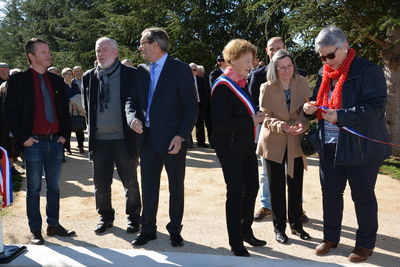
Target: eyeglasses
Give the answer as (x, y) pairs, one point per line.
(288, 67)
(329, 56)
(194, 69)
(147, 42)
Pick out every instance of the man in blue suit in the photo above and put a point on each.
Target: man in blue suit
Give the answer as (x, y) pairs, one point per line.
(162, 110)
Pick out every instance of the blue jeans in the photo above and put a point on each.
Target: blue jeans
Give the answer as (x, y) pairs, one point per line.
(265, 195)
(47, 156)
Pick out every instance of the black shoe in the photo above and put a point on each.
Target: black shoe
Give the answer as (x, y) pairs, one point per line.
(143, 238)
(81, 150)
(132, 228)
(59, 230)
(281, 237)
(254, 241)
(301, 233)
(102, 227)
(37, 238)
(176, 240)
(240, 251)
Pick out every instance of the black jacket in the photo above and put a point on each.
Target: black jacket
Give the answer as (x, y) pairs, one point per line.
(19, 105)
(90, 91)
(364, 100)
(233, 127)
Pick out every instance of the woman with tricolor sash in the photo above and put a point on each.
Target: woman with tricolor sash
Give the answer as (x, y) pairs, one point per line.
(349, 102)
(234, 117)
(282, 98)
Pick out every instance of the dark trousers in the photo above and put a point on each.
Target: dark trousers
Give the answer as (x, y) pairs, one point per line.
(277, 185)
(80, 137)
(200, 134)
(241, 178)
(106, 153)
(207, 120)
(362, 181)
(151, 165)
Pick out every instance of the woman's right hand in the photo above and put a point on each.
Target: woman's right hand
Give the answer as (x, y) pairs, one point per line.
(30, 141)
(310, 107)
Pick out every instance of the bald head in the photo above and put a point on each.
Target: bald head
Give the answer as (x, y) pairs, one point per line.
(274, 44)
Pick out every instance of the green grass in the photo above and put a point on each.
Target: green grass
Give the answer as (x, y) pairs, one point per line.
(391, 167)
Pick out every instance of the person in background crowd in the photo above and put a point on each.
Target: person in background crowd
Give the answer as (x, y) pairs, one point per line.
(207, 116)
(202, 100)
(220, 67)
(4, 72)
(111, 142)
(77, 75)
(163, 110)
(282, 98)
(53, 70)
(353, 93)
(36, 112)
(234, 118)
(75, 107)
(127, 62)
(7, 140)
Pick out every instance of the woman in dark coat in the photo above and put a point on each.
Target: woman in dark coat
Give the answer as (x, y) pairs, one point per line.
(351, 93)
(234, 117)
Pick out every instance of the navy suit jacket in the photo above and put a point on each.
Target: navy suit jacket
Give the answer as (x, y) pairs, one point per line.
(174, 106)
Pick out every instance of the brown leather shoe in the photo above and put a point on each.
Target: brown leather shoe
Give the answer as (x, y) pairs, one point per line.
(324, 247)
(360, 254)
(262, 213)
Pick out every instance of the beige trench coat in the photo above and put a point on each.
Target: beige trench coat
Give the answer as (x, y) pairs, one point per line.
(273, 140)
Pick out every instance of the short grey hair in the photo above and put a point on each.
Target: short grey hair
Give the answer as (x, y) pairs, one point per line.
(157, 35)
(201, 68)
(112, 42)
(193, 65)
(272, 76)
(330, 36)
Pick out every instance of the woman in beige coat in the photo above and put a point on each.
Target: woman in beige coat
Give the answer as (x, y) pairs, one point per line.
(282, 98)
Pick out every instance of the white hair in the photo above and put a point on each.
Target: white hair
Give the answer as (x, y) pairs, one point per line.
(330, 36)
(112, 42)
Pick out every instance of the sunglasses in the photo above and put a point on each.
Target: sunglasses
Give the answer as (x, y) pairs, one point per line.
(329, 56)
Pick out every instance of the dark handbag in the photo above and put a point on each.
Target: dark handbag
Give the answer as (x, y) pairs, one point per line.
(309, 143)
(78, 123)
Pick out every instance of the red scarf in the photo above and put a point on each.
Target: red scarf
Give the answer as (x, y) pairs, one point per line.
(231, 74)
(328, 75)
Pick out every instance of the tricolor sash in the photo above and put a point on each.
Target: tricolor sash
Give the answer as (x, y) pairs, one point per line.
(240, 94)
(5, 179)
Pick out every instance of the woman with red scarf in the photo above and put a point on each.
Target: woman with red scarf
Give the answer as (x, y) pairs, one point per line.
(234, 117)
(351, 93)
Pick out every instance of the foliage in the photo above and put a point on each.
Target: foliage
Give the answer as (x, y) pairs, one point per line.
(391, 167)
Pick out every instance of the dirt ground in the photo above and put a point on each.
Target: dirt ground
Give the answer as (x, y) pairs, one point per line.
(204, 228)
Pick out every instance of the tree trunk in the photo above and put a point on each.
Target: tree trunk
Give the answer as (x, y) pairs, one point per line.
(391, 56)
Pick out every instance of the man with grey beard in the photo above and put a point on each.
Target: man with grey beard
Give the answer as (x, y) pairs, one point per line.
(111, 141)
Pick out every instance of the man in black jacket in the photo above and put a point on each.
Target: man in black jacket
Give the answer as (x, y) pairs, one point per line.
(111, 141)
(36, 112)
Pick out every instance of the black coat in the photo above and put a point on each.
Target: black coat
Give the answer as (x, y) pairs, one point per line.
(90, 92)
(233, 127)
(364, 102)
(19, 106)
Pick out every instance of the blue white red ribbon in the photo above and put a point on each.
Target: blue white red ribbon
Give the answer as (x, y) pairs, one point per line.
(239, 92)
(347, 129)
(6, 179)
